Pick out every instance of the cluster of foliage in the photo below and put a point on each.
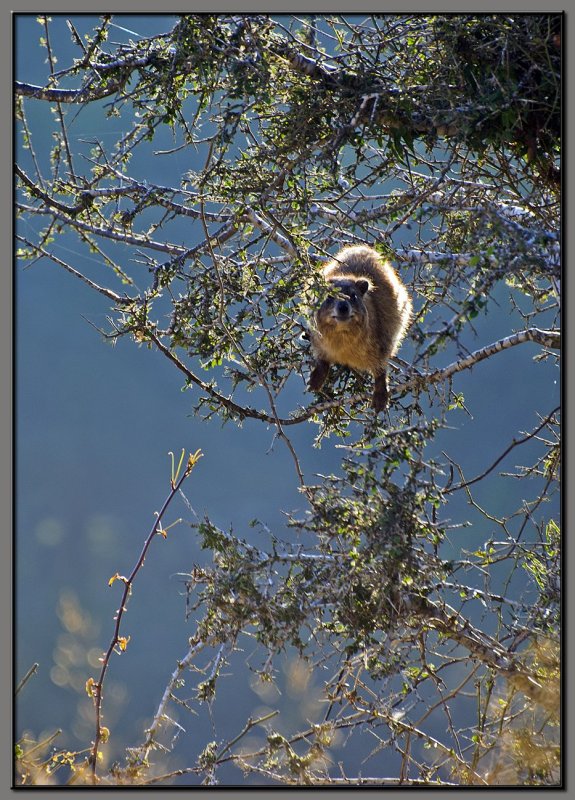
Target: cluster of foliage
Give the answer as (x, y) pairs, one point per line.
(305, 134)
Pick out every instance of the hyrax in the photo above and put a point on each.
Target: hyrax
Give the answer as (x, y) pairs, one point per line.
(362, 322)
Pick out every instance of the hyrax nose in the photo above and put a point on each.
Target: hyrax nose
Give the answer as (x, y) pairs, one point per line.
(343, 308)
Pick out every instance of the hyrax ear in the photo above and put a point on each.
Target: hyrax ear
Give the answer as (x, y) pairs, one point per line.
(362, 286)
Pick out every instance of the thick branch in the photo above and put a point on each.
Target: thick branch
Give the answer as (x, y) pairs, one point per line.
(551, 339)
(329, 76)
(85, 95)
(124, 66)
(545, 338)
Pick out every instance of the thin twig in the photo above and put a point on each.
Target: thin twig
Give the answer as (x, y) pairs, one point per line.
(97, 687)
(101, 289)
(32, 671)
(514, 443)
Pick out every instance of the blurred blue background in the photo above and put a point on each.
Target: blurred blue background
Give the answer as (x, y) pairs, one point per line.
(94, 425)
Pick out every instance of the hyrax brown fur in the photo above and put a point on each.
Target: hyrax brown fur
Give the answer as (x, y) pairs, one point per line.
(362, 322)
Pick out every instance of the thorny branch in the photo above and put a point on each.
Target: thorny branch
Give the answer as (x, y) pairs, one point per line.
(96, 688)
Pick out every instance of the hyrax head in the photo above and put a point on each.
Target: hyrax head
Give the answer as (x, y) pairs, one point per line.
(345, 304)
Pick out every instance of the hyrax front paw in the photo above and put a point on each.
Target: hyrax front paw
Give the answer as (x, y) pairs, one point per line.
(318, 376)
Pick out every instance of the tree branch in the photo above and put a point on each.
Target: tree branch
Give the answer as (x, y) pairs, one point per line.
(116, 298)
(482, 647)
(514, 443)
(85, 95)
(551, 339)
(545, 338)
(37, 192)
(95, 688)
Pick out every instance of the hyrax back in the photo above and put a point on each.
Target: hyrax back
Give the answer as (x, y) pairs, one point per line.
(361, 324)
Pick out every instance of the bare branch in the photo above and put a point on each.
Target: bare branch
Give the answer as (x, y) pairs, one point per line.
(514, 443)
